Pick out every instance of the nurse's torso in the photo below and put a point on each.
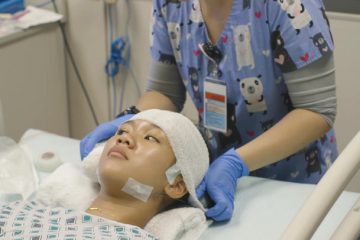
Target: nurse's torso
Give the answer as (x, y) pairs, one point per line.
(257, 97)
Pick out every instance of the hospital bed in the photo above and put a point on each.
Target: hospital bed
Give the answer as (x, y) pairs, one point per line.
(264, 208)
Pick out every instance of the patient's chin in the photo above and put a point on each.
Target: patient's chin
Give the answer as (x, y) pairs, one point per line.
(114, 166)
(112, 177)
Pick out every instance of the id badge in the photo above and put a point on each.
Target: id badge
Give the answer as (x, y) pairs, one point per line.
(215, 105)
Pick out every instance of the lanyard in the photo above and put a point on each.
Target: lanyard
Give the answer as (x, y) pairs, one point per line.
(213, 53)
(215, 93)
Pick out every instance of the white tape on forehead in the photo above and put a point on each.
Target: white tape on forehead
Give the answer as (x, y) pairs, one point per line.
(172, 172)
(137, 190)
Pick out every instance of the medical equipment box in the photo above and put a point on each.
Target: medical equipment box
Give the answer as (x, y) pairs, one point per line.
(11, 6)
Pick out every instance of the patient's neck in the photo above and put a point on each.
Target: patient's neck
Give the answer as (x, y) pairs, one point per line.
(125, 209)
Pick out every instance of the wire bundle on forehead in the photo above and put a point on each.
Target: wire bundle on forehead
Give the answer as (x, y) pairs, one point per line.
(192, 156)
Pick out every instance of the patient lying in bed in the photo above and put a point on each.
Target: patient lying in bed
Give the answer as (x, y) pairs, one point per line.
(154, 160)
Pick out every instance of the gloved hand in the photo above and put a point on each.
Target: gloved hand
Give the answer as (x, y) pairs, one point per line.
(220, 183)
(100, 133)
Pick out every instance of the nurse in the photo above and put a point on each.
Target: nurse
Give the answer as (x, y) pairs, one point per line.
(261, 75)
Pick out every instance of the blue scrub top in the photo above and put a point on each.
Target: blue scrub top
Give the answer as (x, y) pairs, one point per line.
(261, 40)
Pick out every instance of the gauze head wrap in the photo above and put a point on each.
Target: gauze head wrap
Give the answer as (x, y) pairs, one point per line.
(191, 153)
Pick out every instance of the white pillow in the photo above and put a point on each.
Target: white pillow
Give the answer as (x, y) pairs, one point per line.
(91, 162)
(68, 187)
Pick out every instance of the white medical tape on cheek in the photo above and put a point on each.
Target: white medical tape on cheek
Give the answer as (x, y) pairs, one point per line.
(137, 189)
(172, 172)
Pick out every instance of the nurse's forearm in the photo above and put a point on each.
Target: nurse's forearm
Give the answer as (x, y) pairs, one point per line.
(295, 131)
(153, 99)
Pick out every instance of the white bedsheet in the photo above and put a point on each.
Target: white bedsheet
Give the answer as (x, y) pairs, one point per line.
(263, 208)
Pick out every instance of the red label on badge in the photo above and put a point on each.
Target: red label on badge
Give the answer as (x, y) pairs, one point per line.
(213, 96)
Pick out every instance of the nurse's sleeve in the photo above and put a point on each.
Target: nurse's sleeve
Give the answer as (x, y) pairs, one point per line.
(166, 79)
(300, 32)
(164, 76)
(313, 88)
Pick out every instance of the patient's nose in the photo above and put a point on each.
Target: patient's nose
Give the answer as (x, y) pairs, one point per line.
(126, 139)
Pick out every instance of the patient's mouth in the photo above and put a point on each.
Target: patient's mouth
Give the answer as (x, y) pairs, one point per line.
(117, 153)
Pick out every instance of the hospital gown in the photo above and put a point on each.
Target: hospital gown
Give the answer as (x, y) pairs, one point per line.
(34, 221)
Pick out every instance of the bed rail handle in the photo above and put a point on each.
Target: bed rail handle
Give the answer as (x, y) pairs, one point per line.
(320, 201)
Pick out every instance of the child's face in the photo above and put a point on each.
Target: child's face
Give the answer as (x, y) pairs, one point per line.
(139, 150)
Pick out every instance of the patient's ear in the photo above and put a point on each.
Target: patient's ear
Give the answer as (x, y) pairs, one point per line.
(177, 189)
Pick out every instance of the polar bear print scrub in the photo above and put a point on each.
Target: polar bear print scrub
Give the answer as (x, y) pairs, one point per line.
(174, 33)
(297, 13)
(244, 52)
(269, 37)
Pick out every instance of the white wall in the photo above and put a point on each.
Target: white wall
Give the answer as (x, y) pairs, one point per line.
(138, 14)
(33, 90)
(86, 28)
(346, 31)
(2, 128)
(86, 33)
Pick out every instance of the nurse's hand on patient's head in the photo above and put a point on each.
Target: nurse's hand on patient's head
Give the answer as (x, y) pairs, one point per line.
(101, 133)
(220, 184)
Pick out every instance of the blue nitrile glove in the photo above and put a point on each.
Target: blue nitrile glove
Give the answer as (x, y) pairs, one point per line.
(101, 133)
(220, 183)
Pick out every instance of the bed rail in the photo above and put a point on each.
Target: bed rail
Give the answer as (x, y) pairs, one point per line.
(326, 193)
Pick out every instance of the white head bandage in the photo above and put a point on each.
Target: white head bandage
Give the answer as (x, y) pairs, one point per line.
(192, 157)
